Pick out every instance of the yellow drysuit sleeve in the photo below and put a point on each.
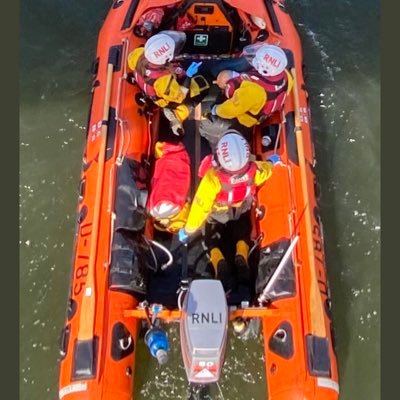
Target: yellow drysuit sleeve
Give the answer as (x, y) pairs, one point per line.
(208, 190)
(249, 97)
(168, 89)
(264, 172)
(290, 81)
(134, 56)
(203, 201)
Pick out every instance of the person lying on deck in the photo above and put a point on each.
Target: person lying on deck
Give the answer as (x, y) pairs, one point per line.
(169, 188)
(166, 83)
(229, 181)
(254, 95)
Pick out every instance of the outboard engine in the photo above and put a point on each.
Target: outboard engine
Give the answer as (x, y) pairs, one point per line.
(204, 330)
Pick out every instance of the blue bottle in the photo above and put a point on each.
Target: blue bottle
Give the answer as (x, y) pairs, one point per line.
(156, 340)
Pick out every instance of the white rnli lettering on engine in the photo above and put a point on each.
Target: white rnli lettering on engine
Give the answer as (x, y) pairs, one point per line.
(207, 317)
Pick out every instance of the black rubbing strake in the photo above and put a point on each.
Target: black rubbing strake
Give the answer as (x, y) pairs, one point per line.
(71, 308)
(82, 214)
(64, 340)
(82, 187)
(112, 125)
(130, 14)
(274, 20)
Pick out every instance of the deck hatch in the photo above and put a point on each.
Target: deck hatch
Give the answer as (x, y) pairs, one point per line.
(85, 359)
(95, 66)
(319, 363)
(291, 138)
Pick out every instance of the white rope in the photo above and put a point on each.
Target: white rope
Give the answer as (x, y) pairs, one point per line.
(167, 252)
(180, 296)
(256, 243)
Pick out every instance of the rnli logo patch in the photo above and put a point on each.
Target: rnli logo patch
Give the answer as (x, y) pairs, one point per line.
(200, 40)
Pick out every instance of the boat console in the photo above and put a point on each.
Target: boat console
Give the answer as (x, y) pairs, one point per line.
(213, 32)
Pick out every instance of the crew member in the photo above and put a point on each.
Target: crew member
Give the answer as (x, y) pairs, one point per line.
(166, 83)
(226, 191)
(254, 95)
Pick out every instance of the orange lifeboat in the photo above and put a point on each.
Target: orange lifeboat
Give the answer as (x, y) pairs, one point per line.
(117, 249)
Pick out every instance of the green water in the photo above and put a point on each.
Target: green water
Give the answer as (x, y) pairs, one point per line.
(341, 48)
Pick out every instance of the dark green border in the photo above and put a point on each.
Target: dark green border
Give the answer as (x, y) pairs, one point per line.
(390, 161)
(9, 164)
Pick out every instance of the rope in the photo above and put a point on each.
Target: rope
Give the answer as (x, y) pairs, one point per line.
(167, 252)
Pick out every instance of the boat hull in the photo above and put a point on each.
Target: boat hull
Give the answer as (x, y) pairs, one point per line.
(100, 335)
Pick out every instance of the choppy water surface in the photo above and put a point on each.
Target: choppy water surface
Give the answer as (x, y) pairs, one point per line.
(341, 48)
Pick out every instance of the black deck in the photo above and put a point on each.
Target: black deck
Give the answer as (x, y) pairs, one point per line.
(163, 285)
